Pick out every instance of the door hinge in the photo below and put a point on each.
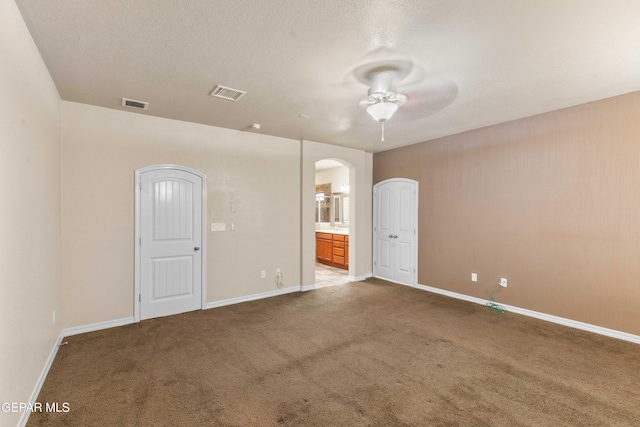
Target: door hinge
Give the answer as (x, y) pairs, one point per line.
(139, 297)
(140, 241)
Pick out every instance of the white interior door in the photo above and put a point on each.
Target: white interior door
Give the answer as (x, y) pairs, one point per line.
(170, 242)
(395, 230)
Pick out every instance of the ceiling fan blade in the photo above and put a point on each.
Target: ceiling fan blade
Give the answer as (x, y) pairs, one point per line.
(364, 103)
(383, 73)
(399, 99)
(382, 60)
(428, 100)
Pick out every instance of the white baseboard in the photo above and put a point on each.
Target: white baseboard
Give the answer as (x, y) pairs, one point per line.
(253, 297)
(54, 351)
(360, 278)
(43, 375)
(67, 332)
(538, 315)
(306, 288)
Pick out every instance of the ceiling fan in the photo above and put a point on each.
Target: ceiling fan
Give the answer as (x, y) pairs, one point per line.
(383, 98)
(422, 92)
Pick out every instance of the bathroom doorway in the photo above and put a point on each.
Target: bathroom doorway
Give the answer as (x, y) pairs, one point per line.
(332, 222)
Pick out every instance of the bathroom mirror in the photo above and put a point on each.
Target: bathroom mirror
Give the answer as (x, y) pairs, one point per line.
(340, 209)
(323, 203)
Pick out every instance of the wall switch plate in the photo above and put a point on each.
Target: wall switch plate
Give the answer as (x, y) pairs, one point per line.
(474, 277)
(503, 282)
(263, 274)
(54, 317)
(218, 226)
(233, 227)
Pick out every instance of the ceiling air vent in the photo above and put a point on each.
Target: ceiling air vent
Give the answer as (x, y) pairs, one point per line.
(134, 104)
(227, 93)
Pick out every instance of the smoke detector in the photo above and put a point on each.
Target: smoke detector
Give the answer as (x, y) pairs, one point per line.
(227, 93)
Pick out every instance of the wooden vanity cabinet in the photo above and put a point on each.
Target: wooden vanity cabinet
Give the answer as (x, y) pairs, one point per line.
(324, 244)
(333, 249)
(338, 250)
(346, 252)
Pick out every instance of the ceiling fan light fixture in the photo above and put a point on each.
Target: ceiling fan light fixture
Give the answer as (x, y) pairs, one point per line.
(382, 111)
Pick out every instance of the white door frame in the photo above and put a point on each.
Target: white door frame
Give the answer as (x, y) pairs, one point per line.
(138, 183)
(415, 225)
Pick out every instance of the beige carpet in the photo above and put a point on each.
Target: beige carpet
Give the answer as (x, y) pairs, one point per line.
(363, 354)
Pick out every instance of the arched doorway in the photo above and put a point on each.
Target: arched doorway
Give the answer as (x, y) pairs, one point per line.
(332, 222)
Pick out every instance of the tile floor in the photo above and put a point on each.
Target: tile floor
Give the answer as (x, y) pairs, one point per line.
(330, 276)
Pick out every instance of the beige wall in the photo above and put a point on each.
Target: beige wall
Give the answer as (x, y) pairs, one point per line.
(335, 176)
(30, 217)
(550, 202)
(259, 174)
(360, 166)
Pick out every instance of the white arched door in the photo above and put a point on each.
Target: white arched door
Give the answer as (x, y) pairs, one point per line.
(395, 230)
(170, 241)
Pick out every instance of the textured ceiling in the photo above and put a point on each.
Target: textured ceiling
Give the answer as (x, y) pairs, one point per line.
(476, 63)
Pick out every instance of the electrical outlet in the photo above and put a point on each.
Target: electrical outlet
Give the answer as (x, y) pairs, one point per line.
(503, 282)
(474, 277)
(263, 274)
(277, 271)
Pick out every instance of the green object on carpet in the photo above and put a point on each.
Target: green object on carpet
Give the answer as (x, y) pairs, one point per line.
(491, 302)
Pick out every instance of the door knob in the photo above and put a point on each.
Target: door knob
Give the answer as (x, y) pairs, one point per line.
(197, 248)
(395, 236)
(391, 236)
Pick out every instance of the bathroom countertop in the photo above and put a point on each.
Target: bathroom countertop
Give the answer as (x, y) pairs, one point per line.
(343, 231)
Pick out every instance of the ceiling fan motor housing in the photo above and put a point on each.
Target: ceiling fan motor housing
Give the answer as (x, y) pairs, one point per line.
(379, 93)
